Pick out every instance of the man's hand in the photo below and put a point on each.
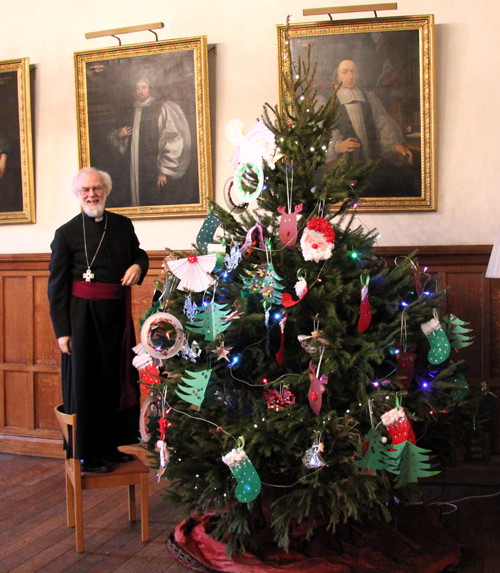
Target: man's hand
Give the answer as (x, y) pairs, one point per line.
(125, 131)
(162, 180)
(3, 164)
(405, 152)
(349, 144)
(65, 344)
(131, 276)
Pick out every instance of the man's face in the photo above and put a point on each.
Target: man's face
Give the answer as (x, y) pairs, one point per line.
(347, 74)
(92, 194)
(141, 91)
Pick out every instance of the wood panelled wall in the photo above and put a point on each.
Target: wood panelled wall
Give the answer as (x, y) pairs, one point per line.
(29, 355)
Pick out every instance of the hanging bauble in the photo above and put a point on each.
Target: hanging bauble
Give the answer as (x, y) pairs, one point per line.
(248, 182)
(234, 207)
(312, 458)
(162, 335)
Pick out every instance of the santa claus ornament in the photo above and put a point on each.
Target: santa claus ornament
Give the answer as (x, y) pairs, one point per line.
(317, 241)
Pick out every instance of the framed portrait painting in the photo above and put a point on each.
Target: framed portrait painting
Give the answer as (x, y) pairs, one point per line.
(381, 72)
(17, 193)
(143, 116)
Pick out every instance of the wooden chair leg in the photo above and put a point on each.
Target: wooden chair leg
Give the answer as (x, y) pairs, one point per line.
(144, 508)
(78, 518)
(131, 503)
(70, 504)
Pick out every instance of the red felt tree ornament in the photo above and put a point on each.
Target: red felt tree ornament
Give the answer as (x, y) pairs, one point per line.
(365, 311)
(398, 426)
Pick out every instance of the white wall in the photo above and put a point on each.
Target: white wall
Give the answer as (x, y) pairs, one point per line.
(467, 88)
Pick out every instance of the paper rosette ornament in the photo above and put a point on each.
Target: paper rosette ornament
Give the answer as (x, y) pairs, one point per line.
(193, 272)
(249, 484)
(317, 241)
(162, 335)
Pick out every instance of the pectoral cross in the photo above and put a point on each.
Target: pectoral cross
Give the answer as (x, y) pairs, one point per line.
(88, 275)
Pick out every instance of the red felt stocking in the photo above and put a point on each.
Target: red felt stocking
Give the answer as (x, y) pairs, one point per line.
(365, 311)
(398, 426)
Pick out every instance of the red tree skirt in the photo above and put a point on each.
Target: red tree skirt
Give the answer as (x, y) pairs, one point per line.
(414, 542)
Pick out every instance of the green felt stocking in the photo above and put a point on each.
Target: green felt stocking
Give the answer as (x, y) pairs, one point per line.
(440, 345)
(248, 479)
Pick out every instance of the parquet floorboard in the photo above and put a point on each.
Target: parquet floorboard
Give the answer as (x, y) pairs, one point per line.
(34, 536)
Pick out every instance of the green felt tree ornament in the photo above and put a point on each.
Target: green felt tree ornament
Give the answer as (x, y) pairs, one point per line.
(457, 332)
(373, 455)
(412, 462)
(210, 321)
(264, 281)
(196, 386)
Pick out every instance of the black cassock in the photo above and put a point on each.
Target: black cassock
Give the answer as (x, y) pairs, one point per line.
(95, 386)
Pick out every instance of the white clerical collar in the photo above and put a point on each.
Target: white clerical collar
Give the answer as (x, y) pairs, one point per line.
(347, 95)
(149, 101)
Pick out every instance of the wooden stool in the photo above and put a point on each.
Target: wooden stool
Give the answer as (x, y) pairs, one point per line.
(128, 474)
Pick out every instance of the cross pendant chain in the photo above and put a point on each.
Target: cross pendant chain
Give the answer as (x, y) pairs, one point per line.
(88, 275)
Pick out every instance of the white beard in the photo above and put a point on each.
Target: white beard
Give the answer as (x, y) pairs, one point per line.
(94, 212)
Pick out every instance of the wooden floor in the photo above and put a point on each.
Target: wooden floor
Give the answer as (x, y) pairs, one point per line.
(34, 536)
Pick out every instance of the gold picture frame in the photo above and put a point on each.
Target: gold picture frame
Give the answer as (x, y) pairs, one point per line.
(395, 58)
(16, 145)
(164, 168)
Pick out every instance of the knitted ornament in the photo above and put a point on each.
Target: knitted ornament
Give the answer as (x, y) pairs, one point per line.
(317, 241)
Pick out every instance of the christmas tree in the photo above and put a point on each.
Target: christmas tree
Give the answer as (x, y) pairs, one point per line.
(298, 379)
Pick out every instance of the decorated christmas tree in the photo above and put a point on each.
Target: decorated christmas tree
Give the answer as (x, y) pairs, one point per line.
(295, 379)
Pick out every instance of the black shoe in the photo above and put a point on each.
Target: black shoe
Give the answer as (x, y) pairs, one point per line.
(95, 466)
(118, 457)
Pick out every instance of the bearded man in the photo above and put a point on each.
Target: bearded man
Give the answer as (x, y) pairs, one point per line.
(95, 261)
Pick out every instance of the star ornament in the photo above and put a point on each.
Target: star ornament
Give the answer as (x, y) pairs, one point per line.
(222, 351)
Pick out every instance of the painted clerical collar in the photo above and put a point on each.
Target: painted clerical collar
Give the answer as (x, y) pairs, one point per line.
(149, 101)
(347, 95)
